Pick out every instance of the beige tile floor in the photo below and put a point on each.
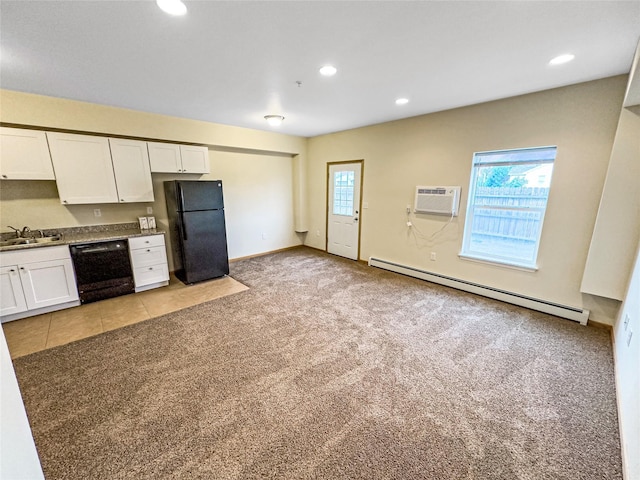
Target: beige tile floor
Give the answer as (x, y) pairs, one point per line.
(48, 330)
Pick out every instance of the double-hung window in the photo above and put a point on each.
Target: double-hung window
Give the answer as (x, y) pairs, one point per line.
(507, 202)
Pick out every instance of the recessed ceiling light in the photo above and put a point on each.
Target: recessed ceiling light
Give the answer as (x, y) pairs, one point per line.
(560, 59)
(172, 7)
(274, 120)
(328, 70)
(402, 101)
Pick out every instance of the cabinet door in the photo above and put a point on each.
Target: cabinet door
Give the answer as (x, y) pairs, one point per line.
(24, 155)
(11, 295)
(164, 157)
(84, 172)
(195, 159)
(48, 283)
(131, 167)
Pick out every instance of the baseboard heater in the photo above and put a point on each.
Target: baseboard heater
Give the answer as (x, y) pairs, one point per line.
(564, 311)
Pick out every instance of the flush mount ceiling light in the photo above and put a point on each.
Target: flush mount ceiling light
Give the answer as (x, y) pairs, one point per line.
(560, 59)
(172, 7)
(328, 70)
(274, 120)
(402, 101)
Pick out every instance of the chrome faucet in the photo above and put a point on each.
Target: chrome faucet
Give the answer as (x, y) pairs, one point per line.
(17, 230)
(20, 233)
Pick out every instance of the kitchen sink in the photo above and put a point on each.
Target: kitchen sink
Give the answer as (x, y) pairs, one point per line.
(28, 241)
(52, 238)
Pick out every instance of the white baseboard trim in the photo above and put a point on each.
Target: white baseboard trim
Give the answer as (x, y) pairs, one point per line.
(564, 311)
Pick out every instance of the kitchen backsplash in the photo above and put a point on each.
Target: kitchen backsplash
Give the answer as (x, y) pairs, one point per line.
(76, 230)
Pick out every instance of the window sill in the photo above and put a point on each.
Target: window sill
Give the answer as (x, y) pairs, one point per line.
(505, 264)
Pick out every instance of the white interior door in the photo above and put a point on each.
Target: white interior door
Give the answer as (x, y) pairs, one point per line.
(343, 232)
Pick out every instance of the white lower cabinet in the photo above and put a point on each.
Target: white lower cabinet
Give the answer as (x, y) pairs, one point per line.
(149, 262)
(36, 281)
(11, 294)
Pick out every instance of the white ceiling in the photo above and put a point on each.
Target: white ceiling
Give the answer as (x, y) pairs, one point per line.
(233, 62)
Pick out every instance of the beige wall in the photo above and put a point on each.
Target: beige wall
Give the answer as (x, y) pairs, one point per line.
(258, 191)
(617, 228)
(437, 149)
(239, 156)
(42, 111)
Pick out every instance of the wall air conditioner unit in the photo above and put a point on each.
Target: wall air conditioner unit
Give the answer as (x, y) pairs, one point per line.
(437, 200)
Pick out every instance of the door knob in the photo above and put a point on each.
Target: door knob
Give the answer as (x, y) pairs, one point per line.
(355, 219)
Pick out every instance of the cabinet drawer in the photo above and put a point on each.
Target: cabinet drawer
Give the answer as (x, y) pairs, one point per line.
(143, 257)
(151, 274)
(146, 242)
(31, 255)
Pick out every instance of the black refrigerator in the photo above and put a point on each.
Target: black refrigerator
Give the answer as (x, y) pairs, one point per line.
(197, 230)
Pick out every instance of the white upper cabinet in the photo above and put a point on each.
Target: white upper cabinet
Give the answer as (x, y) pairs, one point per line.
(171, 158)
(195, 159)
(131, 168)
(24, 155)
(100, 170)
(164, 157)
(84, 172)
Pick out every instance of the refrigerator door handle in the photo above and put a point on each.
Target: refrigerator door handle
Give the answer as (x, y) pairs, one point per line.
(180, 197)
(184, 226)
(181, 202)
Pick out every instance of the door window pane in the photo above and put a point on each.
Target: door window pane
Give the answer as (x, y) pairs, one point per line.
(343, 187)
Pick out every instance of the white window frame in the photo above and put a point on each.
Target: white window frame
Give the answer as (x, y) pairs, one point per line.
(484, 159)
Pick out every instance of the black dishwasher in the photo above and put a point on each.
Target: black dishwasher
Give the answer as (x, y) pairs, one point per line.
(103, 270)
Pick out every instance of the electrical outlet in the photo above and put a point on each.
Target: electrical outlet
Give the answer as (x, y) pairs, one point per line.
(626, 320)
(433, 256)
(365, 205)
(149, 210)
(629, 335)
(317, 233)
(408, 208)
(97, 212)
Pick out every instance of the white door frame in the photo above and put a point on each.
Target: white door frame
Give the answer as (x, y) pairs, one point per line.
(329, 202)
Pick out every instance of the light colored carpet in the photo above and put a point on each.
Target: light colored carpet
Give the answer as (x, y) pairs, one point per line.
(329, 369)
